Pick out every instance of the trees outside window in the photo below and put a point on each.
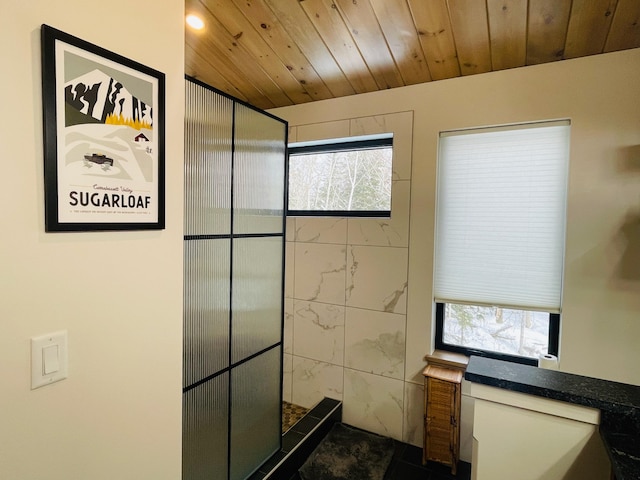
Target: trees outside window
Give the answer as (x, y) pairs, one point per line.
(341, 179)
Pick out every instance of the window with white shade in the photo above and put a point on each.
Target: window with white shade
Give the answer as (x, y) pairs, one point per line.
(500, 228)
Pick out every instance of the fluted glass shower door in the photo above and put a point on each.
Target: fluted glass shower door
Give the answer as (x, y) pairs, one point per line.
(234, 278)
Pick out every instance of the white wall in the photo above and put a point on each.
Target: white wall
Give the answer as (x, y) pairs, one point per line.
(119, 294)
(600, 327)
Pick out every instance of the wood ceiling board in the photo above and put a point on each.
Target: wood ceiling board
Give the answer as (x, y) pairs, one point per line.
(228, 69)
(327, 21)
(362, 22)
(432, 22)
(244, 62)
(625, 27)
(245, 36)
(547, 30)
(214, 46)
(265, 23)
(296, 23)
(208, 54)
(471, 32)
(507, 33)
(197, 67)
(249, 91)
(589, 24)
(397, 24)
(282, 52)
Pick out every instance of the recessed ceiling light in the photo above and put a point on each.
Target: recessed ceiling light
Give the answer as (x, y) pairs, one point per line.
(195, 22)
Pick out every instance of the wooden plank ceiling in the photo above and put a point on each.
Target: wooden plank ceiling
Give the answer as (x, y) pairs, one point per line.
(273, 53)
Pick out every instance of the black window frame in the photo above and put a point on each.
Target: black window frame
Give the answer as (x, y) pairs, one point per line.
(553, 346)
(338, 146)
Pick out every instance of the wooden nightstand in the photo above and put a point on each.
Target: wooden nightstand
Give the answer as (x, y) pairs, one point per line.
(442, 399)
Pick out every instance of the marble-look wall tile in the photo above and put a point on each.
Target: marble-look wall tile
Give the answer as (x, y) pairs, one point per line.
(288, 325)
(361, 263)
(375, 342)
(312, 381)
(385, 232)
(401, 125)
(373, 403)
(413, 426)
(322, 131)
(320, 272)
(321, 230)
(289, 269)
(287, 368)
(319, 331)
(377, 278)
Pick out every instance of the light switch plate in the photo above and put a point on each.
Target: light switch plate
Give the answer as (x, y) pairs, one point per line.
(48, 354)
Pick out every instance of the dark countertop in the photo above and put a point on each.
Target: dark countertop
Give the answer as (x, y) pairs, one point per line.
(619, 403)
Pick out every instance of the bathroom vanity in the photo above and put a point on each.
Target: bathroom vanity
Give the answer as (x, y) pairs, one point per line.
(532, 423)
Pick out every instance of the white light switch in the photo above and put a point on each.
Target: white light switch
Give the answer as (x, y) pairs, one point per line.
(48, 359)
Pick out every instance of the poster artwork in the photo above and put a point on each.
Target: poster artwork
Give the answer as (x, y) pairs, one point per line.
(107, 145)
(103, 132)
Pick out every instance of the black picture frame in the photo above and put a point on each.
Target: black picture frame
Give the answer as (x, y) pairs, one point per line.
(104, 138)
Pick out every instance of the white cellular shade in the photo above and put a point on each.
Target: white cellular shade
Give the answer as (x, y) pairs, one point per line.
(500, 216)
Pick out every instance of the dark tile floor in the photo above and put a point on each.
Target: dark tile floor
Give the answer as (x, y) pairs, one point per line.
(407, 465)
(307, 430)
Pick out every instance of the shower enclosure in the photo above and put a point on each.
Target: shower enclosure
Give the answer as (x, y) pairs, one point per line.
(233, 285)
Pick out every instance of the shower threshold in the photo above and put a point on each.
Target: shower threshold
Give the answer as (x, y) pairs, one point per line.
(300, 440)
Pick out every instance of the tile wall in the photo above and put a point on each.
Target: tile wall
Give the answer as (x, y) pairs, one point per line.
(346, 297)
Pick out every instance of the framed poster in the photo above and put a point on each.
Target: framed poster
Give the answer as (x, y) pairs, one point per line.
(104, 123)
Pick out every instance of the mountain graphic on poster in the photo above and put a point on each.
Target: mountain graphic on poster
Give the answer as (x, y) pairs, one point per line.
(96, 97)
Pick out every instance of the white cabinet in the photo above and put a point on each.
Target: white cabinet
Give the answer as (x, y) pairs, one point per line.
(526, 437)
